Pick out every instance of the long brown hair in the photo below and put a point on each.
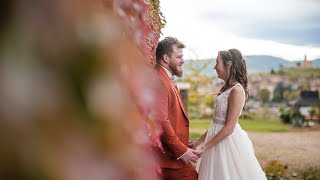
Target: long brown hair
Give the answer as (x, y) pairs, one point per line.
(237, 72)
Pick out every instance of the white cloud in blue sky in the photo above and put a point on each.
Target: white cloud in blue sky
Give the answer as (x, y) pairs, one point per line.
(287, 29)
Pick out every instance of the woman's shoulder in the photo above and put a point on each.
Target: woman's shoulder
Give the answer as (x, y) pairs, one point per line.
(237, 91)
(237, 88)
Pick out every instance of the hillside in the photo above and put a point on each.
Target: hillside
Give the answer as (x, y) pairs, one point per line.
(316, 62)
(257, 63)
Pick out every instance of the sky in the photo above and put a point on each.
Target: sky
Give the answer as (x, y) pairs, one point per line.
(288, 29)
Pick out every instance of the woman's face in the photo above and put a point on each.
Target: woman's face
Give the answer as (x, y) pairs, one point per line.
(220, 68)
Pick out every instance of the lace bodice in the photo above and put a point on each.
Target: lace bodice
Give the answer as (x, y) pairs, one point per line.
(221, 106)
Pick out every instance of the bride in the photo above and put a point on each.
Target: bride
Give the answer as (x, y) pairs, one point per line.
(227, 152)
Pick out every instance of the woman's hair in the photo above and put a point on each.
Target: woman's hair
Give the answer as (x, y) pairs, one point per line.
(237, 71)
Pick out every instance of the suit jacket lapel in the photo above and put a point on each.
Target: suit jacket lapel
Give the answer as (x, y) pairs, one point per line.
(164, 73)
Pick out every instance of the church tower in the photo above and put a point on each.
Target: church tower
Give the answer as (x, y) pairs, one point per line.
(306, 63)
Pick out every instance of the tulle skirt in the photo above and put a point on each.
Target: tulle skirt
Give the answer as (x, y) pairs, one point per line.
(232, 159)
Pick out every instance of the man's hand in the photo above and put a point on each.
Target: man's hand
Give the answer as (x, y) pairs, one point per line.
(190, 156)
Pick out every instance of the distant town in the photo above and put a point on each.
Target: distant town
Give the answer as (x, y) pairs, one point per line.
(280, 86)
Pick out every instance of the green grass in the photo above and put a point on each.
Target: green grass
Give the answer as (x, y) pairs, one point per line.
(197, 127)
(263, 125)
(199, 123)
(194, 135)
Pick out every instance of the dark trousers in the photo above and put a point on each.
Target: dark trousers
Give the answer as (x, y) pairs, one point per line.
(185, 173)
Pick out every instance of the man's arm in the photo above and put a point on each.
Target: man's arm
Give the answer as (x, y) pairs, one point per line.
(169, 137)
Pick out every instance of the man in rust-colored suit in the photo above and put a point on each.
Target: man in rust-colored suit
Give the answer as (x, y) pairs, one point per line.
(175, 158)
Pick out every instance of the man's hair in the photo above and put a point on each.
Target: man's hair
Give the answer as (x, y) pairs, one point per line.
(166, 45)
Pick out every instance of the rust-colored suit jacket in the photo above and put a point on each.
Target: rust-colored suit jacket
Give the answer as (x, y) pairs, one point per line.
(172, 115)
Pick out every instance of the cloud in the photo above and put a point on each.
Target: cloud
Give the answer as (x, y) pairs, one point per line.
(294, 22)
(292, 27)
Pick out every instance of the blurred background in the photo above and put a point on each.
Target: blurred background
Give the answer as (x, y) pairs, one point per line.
(76, 85)
(281, 45)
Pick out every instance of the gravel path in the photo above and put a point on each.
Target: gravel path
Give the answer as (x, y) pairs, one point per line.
(297, 149)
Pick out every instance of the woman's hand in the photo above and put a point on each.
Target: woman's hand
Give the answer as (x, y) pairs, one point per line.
(193, 144)
(203, 149)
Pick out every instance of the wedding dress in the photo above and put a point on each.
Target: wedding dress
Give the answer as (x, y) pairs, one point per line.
(233, 158)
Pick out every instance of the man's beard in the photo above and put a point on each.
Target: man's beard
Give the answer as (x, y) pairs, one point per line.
(176, 70)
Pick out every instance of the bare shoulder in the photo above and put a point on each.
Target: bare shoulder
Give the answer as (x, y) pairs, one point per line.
(236, 93)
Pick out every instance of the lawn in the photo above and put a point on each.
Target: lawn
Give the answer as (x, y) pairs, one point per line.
(296, 148)
(197, 127)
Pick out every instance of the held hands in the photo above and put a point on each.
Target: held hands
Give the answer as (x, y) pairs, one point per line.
(201, 150)
(191, 155)
(193, 144)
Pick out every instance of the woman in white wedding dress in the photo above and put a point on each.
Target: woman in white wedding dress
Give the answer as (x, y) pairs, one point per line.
(227, 153)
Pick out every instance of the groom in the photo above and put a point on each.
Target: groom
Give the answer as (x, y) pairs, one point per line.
(175, 158)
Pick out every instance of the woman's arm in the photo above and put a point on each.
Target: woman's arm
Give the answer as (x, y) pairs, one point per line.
(234, 108)
(196, 143)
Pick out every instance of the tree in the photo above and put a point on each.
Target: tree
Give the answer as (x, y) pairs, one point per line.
(264, 95)
(312, 111)
(272, 71)
(305, 86)
(285, 115)
(279, 91)
(296, 116)
(209, 101)
(289, 95)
